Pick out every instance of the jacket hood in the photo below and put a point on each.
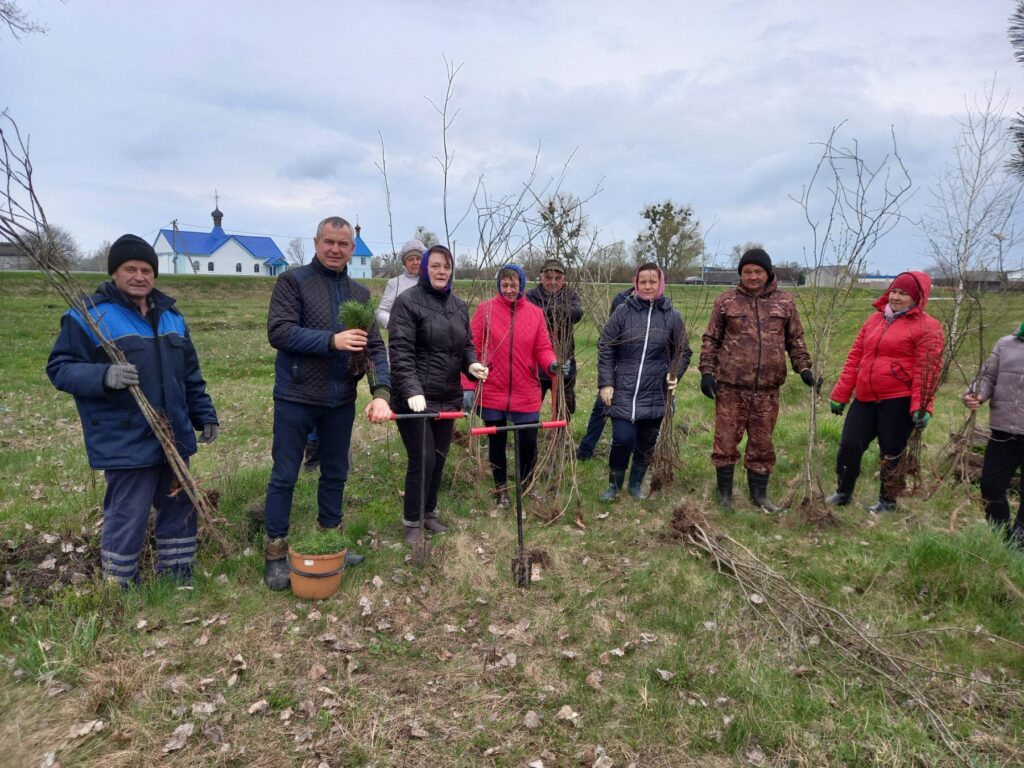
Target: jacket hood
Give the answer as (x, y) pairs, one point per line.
(425, 277)
(522, 279)
(923, 281)
(661, 279)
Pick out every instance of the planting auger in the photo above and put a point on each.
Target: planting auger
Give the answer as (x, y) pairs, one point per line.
(522, 564)
(420, 554)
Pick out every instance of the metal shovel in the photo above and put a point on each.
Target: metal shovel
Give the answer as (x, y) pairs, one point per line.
(522, 563)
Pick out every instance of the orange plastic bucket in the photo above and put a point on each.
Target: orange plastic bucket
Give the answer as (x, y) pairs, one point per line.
(315, 577)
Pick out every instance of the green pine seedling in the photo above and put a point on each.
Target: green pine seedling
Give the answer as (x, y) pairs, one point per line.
(318, 542)
(356, 314)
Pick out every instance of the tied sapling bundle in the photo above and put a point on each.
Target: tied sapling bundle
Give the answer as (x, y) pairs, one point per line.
(359, 315)
(907, 479)
(665, 457)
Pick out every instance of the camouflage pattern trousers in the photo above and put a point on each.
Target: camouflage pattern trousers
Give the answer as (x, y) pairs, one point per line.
(753, 411)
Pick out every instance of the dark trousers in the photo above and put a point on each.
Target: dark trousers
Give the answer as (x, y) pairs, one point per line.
(887, 420)
(130, 495)
(568, 392)
(426, 460)
(595, 426)
(633, 437)
(751, 411)
(497, 444)
(1004, 455)
(292, 423)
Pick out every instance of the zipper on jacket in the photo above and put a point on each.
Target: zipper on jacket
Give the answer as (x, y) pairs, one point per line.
(511, 344)
(760, 343)
(153, 318)
(643, 356)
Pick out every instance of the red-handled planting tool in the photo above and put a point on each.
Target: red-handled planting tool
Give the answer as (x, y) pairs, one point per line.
(522, 564)
(420, 554)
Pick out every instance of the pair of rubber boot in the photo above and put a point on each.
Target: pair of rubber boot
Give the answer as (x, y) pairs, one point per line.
(617, 478)
(757, 484)
(277, 571)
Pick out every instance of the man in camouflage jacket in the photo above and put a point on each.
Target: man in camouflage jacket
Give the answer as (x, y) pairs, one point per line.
(743, 363)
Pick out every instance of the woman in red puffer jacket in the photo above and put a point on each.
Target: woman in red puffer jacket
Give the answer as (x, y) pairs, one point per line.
(512, 340)
(891, 373)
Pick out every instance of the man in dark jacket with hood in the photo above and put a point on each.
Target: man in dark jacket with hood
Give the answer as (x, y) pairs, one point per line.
(562, 311)
(145, 325)
(742, 364)
(314, 386)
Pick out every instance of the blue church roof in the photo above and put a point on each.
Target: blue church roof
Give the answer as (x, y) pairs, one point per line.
(205, 243)
(361, 248)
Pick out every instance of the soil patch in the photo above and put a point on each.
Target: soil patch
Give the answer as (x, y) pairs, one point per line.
(37, 568)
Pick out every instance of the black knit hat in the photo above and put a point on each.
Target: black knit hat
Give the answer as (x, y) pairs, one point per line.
(760, 258)
(129, 248)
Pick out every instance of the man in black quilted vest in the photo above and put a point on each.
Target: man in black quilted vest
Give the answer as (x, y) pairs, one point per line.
(314, 386)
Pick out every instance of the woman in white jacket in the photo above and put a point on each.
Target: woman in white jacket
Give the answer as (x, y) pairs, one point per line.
(411, 255)
(1002, 383)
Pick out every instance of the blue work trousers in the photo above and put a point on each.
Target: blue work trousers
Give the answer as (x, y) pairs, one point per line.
(130, 495)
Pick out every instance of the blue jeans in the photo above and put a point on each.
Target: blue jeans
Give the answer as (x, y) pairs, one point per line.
(292, 424)
(130, 494)
(598, 415)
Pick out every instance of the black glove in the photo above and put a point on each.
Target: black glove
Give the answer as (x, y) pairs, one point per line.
(211, 432)
(837, 408)
(807, 377)
(553, 368)
(708, 385)
(120, 376)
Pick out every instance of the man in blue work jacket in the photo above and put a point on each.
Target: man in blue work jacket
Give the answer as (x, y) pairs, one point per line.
(161, 361)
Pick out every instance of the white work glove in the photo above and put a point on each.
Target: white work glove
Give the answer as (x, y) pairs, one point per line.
(606, 394)
(478, 371)
(672, 381)
(120, 376)
(417, 403)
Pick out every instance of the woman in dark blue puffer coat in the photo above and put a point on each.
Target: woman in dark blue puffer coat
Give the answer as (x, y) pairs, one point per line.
(642, 353)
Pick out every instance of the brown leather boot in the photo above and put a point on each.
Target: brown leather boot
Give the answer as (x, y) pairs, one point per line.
(276, 573)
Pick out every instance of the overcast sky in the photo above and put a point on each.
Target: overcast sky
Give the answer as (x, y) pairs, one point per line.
(138, 110)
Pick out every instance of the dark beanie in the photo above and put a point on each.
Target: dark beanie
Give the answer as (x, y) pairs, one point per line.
(759, 258)
(906, 283)
(129, 248)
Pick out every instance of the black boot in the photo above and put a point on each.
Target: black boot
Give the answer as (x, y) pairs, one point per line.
(636, 480)
(724, 476)
(882, 506)
(311, 456)
(758, 484)
(616, 478)
(276, 572)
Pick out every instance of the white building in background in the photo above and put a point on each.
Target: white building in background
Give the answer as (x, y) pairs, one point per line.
(360, 268)
(185, 252)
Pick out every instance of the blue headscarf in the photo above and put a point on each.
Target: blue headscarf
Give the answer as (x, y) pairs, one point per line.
(425, 276)
(522, 279)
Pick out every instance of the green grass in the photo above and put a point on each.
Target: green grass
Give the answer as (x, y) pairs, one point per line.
(740, 683)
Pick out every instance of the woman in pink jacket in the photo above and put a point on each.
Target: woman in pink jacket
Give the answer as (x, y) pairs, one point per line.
(512, 340)
(891, 373)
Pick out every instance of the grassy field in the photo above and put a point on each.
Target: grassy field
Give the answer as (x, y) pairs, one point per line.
(631, 648)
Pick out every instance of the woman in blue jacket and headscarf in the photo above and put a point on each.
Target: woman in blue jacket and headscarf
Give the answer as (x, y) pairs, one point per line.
(642, 353)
